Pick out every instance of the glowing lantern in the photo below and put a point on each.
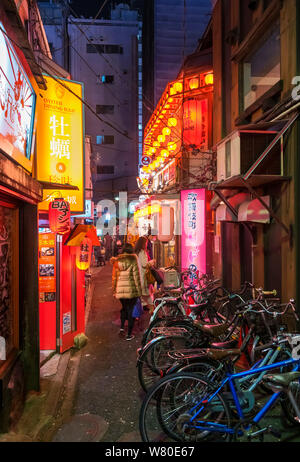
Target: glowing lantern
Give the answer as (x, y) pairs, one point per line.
(164, 153)
(166, 223)
(156, 144)
(172, 146)
(194, 83)
(152, 150)
(172, 91)
(84, 254)
(160, 160)
(172, 122)
(209, 79)
(178, 87)
(59, 216)
(161, 138)
(166, 131)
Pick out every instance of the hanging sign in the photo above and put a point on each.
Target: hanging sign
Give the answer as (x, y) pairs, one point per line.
(84, 254)
(59, 216)
(17, 106)
(60, 141)
(193, 240)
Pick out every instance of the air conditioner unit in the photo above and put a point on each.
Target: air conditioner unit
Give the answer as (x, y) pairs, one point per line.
(238, 151)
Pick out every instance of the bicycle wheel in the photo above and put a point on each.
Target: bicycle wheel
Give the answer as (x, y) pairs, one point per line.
(155, 362)
(211, 372)
(169, 310)
(167, 409)
(288, 410)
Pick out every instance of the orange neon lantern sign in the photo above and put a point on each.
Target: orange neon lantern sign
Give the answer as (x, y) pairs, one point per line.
(59, 216)
(84, 254)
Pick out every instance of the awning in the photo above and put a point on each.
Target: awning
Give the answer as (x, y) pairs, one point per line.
(80, 232)
(255, 181)
(223, 213)
(49, 185)
(239, 183)
(253, 211)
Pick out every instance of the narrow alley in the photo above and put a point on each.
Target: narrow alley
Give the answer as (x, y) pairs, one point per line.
(107, 368)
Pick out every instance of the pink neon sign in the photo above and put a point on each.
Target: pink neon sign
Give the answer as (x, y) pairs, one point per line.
(193, 241)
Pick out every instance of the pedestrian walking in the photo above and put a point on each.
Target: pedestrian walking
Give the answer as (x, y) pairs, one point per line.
(108, 246)
(144, 265)
(126, 285)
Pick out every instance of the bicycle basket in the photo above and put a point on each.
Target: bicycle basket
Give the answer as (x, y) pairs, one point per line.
(171, 278)
(264, 323)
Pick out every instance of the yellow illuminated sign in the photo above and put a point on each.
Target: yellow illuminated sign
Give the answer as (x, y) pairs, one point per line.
(149, 210)
(60, 154)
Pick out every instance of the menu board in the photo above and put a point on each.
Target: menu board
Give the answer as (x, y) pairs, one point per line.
(47, 271)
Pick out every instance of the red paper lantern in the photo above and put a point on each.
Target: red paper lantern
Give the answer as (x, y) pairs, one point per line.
(59, 216)
(84, 254)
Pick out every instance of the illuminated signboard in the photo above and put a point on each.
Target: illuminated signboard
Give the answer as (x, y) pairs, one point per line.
(60, 142)
(193, 241)
(17, 106)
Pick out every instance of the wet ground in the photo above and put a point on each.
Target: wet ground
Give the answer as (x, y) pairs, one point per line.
(108, 395)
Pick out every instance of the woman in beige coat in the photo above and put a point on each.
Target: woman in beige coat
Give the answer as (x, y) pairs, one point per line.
(126, 285)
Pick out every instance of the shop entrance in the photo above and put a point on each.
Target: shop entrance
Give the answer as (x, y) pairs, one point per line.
(62, 289)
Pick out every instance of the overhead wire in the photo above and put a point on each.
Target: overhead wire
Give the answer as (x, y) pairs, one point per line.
(69, 90)
(179, 135)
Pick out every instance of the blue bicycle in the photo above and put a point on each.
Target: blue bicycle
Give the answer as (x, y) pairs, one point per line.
(186, 407)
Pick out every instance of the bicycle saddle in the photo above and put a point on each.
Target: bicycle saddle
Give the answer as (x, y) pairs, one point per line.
(212, 330)
(224, 345)
(282, 380)
(222, 354)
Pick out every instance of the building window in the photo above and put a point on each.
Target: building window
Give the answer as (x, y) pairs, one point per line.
(105, 169)
(104, 109)
(261, 69)
(105, 139)
(228, 159)
(105, 49)
(106, 78)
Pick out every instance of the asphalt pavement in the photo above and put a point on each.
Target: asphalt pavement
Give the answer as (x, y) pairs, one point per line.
(108, 395)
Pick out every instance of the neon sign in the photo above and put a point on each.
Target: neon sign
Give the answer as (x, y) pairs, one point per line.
(60, 147)
(17, 105)
(193, 242)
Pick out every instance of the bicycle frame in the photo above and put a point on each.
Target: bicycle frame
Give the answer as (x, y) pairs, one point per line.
(219, 428)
